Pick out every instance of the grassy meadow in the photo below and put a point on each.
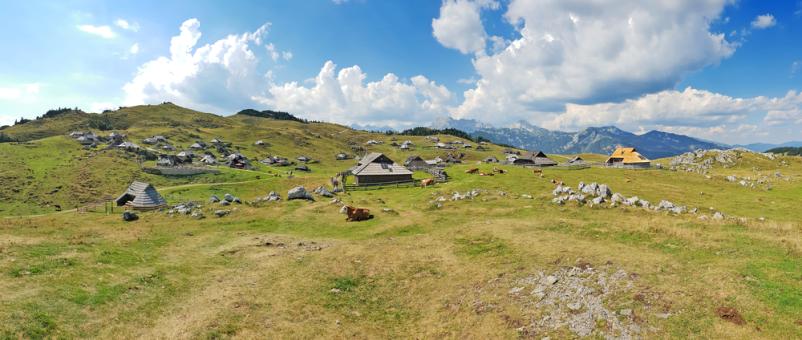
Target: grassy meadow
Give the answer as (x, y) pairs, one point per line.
(293, 269)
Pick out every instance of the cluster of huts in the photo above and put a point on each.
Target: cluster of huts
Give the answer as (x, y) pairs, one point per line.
(90, 139)
(371, 169)
(622, 157)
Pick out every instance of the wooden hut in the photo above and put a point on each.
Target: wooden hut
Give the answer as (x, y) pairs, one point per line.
(534, 159)
(376, 168)
(141, 196)
(576, 161)
(627, 158)
(416, 163)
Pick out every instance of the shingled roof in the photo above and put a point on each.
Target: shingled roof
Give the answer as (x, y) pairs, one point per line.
(378, 164)
(627, 156)
(142, 196)
(538, 158)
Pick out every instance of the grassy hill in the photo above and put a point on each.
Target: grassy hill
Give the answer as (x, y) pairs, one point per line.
(423, 267)
(40, 169)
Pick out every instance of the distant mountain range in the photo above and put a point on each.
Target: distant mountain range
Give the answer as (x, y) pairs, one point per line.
(763, 147)
(603, 140)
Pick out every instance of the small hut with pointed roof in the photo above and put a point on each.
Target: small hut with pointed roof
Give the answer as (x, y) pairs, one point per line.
(534, 159)
(627, 158)
(416, 163)
(577, 160)
(141, 196)
(376, 168)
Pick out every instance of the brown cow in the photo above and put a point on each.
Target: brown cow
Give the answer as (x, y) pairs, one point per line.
(537, 171)
(472, 171)
(357, 214)
(426, 182)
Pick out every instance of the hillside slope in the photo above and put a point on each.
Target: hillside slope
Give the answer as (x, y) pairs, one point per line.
(58, 171)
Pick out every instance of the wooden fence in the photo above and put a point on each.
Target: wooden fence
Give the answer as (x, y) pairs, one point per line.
(372, 186)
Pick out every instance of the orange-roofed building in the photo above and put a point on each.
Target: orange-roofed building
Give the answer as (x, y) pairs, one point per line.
(627, 158)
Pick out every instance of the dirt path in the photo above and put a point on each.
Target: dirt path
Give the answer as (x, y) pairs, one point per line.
(226, 291)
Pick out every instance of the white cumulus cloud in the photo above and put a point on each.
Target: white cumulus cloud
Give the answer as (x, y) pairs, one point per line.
(691, 111)
(134, 49)
(219, 77)
(764, 21)
(17, 92)
(590, 52)
(103, 31)
(126, 25)
(459, 25)
(345, 97)
(275, 54)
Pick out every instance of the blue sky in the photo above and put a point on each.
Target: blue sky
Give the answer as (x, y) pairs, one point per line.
(724, 70)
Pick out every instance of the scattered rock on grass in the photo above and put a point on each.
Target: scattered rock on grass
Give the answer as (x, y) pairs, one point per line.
(129, 216)
(322, 191)
(299, 193)
(221, 213)
(271, 197)
(198, 215)
(575, 298)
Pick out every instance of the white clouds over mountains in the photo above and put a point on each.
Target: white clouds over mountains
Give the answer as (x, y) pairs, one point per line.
(576, 64)
(589, 52)
(703, 113)
(569, 65)
(224, 76)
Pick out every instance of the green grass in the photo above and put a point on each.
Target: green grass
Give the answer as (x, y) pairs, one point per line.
(415, 272)
(483, 245)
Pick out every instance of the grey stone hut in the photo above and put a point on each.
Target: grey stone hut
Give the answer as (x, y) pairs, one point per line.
(376, 168)
(141, 196)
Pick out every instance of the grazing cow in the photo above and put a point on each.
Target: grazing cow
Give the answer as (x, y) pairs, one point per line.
(537, 171)
(426, 182)
(472, 171)
(357, 214)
